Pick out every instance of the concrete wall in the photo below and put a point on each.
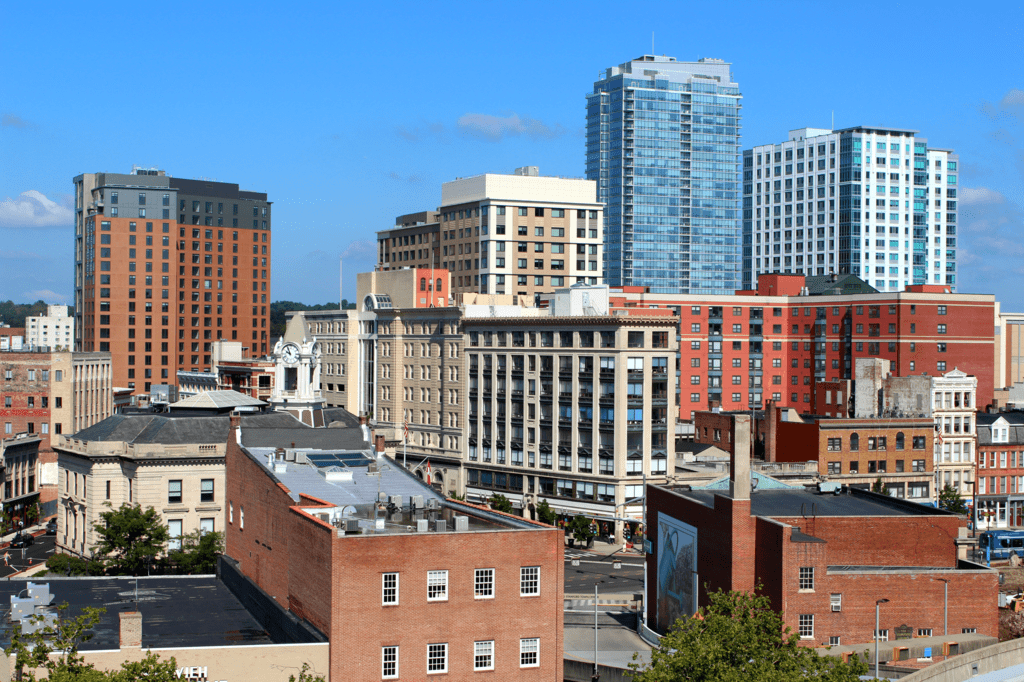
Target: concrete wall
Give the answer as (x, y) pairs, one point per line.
(986, 660)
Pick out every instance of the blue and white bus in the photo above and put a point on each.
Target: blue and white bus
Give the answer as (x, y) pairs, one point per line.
(998, 544)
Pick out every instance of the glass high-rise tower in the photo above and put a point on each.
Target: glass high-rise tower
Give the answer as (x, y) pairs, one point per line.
(663, 146)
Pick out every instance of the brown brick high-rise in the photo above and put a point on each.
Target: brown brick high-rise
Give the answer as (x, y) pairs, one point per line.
(164, 267)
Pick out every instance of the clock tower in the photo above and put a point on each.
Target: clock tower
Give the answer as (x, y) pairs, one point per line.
(297, 381)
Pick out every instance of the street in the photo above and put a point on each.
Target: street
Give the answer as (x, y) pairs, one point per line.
(597, 569)
(20, 559)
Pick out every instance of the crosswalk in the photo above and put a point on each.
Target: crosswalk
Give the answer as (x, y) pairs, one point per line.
(577, 554)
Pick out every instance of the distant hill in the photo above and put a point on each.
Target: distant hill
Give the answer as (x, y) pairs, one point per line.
(279, 308)
(14, 314)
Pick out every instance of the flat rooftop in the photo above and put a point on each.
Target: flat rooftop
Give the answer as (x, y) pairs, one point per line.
(377, 494)
(790, 502)
(176, 611)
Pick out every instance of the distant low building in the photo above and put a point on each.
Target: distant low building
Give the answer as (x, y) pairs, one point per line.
(54, 330)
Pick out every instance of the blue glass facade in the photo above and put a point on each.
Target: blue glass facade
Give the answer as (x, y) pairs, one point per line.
(663, 147)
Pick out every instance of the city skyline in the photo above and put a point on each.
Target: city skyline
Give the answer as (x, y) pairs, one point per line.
(270, 108)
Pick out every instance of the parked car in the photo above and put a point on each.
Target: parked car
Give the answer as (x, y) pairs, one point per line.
(51, 527)
(22, 540)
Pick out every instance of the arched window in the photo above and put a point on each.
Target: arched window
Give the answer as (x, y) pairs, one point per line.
(438, 287)
(854, 441)
(423, 283)
(900, 440)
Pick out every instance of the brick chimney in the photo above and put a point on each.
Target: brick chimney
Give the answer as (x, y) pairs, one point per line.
(131, 630)
(739, 460)
(378, 443)
(236, 426)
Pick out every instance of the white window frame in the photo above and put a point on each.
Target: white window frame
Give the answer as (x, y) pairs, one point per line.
(806, 625)
(835, 640)
(529, 647)
(483, 583)
(385, 587)
(806, 577)
(483, 655)
(437, 585)
(385, 652)
(882, 635)
(529, 581)
(442, 650)
(836, 601)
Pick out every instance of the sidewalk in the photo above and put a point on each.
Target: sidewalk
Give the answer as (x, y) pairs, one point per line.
(602, 548)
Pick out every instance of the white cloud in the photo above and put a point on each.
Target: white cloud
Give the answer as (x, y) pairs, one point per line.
(50, 297)
(360, 249)
(980, 195)
(32, 209)
(12, 121)
(496, 128)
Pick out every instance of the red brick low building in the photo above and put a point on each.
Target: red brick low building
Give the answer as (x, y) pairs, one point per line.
(824, 559)
(424, 586)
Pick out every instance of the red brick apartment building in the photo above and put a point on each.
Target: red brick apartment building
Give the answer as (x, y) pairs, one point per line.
(397, 596)
(777, 342)
(855, 452)
(1000, 471)
(823, 558)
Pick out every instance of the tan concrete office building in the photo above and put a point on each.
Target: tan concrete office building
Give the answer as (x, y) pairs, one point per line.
(520, 234)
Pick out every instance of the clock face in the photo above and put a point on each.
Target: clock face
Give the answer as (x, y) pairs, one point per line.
(290, 353)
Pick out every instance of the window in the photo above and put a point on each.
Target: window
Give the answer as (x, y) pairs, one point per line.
(206, 490)
(836, 601)
(437, 585)
(389, 587)
(483, 655)
(437, 658)
(529, 581)
(941, 329)
(882, 635)
(806, 625)
(174, 492)
(942, 310)
(834, 640)
(969, 631)
(807, 577)
(924, 632)
(389, 662)
(174, 534)
(484, 583)
(529, 652)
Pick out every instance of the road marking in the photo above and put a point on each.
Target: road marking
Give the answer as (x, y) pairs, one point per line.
(605, 563)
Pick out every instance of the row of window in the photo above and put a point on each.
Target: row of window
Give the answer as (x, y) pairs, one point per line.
(30, 427)
(878, 467)
(30, 401)
(483, 657)
(483, 584)
(818, 312)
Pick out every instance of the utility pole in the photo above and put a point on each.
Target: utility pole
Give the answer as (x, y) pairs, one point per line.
(596, 674)
(878, 603)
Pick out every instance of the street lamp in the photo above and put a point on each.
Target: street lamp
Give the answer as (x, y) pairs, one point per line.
(878, 603)
(945, 606)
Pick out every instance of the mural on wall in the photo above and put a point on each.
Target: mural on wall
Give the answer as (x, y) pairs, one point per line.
(677, 565)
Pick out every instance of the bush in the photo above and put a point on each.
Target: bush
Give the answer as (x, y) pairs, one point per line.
(500, 503)
(65, 564)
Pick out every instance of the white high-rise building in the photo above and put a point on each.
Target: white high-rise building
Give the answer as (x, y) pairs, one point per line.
(55, 329)
(868, 201)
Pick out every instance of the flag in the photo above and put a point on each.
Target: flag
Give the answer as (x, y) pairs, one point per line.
(405, 432)
(938, 435)
(429, 479)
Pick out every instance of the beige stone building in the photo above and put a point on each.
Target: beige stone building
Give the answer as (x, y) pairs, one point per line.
(567, 402)
(174, 465)
(520, 234)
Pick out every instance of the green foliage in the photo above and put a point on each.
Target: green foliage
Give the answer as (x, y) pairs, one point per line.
(306, 676)
(737, 638)
(14, 314)
(545, 514)
(500, 503)
(199, 552)
(950, 500)
(580, 528)
(66, 564)
(129, 538)
(877, 487)
(32, 513)
(455, 496)
(33, 653)
(278, 321)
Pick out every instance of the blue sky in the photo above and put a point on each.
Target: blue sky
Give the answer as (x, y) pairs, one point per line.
(351, 115)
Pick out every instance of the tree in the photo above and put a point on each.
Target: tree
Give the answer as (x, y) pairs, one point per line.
(581, 529)
(500, 503)
(877, 487)
(129, 538)
(65, 564)
(545, 514)
(739, 637)
(306, 676)
(950, 500)
(54, 649)
(198, 552)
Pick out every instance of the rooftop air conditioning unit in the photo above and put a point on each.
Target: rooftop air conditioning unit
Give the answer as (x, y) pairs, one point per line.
(396, 500)
(461, 523)
(433, 503)
(440, 526)
(417, 501)
(351, 525)
(422, 525)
